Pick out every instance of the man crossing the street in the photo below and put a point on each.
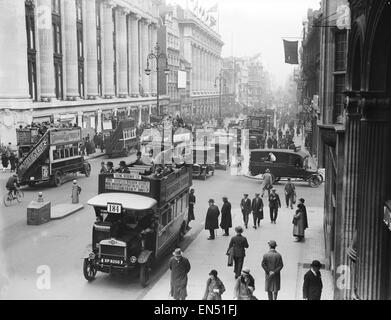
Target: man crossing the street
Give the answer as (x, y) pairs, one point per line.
(290, 194)
(267, 182)
(245, 206)
(237, 248)
(274, 204)
(257, 209)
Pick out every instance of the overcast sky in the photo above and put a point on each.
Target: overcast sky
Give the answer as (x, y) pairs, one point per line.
(248, 27)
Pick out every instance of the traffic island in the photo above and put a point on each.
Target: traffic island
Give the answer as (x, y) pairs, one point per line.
(61, 211)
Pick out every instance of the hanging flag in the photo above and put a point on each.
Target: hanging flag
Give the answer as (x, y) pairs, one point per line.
(214, 8)
(290, 48)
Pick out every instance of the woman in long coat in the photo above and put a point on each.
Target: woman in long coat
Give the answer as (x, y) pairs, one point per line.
(299, 222)
(212, 219)
(226, 216)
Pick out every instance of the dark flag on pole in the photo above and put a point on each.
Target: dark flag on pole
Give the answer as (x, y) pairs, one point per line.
(291, 55)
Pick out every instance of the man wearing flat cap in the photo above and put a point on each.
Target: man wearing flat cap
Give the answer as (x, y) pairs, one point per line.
(312, 286)
(212, 219)
(272, 264)
(180, 267)
(257, 209)
(245, 205)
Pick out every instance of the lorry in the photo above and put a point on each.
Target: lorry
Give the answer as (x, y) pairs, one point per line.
(49, 156)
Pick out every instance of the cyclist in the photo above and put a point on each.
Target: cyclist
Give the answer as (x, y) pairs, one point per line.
(13, 185)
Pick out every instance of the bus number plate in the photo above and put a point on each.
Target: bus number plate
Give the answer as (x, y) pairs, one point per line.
(114, 208)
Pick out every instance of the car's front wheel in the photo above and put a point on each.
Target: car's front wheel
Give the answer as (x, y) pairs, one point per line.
(89, 270)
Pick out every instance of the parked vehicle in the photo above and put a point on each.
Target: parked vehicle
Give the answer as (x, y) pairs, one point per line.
(49, 157)
(287, 164)
(139, 218)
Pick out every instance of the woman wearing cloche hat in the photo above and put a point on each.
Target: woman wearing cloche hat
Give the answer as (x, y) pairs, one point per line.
(214, 287)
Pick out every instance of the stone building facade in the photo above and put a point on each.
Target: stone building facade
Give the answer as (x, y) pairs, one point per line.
(75, 61)
(355, 140)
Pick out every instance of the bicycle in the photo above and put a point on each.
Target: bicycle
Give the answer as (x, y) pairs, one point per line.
(9, 197)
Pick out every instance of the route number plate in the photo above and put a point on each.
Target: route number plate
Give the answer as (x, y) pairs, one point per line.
(114, 208)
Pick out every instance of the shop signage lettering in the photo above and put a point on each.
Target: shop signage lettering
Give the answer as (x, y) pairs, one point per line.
(174, 188)
(66, 136)
(34, 155)
(132, 175)
(127, 185)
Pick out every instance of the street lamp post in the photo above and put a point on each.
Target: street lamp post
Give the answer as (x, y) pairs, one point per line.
(157, 56)
(221, 79)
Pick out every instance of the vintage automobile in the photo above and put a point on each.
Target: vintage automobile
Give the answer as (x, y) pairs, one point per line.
(287, 164)
(140, 217)
(203, 161)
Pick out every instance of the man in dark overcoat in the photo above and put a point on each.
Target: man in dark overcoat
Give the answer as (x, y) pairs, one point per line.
(245, 206)
(257, 208)
(272, 264)
(304, 208)
(212, 219)
(274, 204)
(226, 216)
(312, 286)
(192, 200)
(180, 267)
(238, 245)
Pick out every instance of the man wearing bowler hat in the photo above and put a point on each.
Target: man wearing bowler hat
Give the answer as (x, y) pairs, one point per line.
(257, 209)
(123, 168)
(237, 247)
(180, 267)
(272, 264)
(245, 205)
(212, 219)
(110, 166)
(312, 286)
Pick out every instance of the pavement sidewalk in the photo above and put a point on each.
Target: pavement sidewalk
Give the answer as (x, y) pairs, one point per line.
(205, 255)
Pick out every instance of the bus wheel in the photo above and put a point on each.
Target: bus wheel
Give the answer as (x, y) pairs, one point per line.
(144, 274)
(89, 270)
(31, 184)
(58, 179)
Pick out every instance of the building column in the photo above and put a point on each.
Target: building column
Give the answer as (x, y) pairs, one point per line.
(144, 53)
(122, 52)
(350, 198)
(133, 42)
(193, 78)
(108, 50)
(45, 39)
(92, 51)
(70, 48)
(372, 253)
(198, 69)
(153, 73)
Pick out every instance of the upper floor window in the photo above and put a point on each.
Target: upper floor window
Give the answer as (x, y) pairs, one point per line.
(79, 11)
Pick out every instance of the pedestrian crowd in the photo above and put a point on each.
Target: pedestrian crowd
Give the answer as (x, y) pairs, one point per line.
(271, 262)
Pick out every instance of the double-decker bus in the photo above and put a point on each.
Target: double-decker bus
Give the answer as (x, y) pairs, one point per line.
(140, 216)
(48, 157)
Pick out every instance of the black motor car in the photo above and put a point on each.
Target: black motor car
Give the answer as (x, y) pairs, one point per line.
(284, 163)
